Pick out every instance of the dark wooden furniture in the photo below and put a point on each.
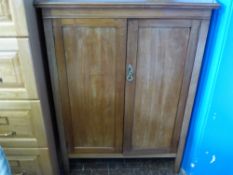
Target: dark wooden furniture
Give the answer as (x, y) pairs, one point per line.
(124, 74)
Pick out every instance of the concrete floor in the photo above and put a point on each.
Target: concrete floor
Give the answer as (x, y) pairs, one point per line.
(122, 167)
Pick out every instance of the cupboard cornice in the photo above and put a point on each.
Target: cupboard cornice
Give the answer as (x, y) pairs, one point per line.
(126, 4)
(160, 13)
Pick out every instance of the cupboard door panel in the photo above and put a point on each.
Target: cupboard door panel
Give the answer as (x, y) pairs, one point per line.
(152, 98)
(92, 66)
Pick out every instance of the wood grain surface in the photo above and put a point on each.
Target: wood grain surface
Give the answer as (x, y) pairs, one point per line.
(93, 66)
(159, 64)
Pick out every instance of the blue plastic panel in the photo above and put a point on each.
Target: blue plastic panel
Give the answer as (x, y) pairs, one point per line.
(209, 148)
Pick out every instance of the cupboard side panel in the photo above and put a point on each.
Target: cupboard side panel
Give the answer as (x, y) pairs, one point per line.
(51, 54)
(198, 56)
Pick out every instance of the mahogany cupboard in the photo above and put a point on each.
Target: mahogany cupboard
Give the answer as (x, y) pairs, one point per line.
(124, 74)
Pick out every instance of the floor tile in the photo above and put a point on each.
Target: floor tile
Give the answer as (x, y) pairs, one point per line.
(99, 172)
(121, 172)
(81, 172)
(95, 164)
(122, 166)
(117, 164)
(142, 171)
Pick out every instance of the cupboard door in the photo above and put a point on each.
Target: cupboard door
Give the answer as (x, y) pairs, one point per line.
(90, 57)
(156, 60)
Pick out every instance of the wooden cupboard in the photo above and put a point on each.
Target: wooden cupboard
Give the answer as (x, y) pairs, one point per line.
(124, 74)
(26, 130)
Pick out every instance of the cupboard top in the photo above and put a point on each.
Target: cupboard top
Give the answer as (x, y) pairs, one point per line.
(126, 3)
